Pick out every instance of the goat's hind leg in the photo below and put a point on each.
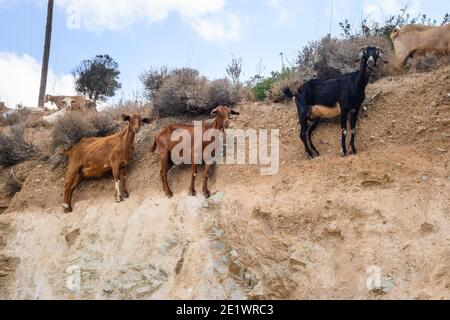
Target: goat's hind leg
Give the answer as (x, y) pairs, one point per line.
(353, 121)
(73, 180)
(304, 130)
(165, 167)
(344, 133)
(310, 132)
(192, 191)
(206, 172)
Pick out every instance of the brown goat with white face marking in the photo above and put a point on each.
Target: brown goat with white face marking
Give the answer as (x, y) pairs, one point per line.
(94, 157)
(163, 141)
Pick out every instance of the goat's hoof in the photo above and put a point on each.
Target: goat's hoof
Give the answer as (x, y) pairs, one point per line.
(119, 199)
(169, 195)
(343, 154)
(68, 210)
(207, 194)
(126, 195)
(193, 193)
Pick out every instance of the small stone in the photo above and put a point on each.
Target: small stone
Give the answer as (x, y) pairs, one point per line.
(441, 150)
(385, 286)
(427, 227)
(421, 130)
(424, 178)
(234, 253)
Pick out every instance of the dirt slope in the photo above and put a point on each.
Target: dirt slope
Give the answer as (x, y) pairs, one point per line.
(318, 229)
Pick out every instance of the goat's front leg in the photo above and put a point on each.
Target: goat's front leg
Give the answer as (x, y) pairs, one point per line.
(353, 121)
(344, 116)
(192, 191)
(123, 184)
(116, 176)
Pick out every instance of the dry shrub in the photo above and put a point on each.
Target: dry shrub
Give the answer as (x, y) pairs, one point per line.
(70, 129)
(13, 147)
(181, 93)
(327, 59)
(247, 94)
(103, 124)
(289, 79)
(19, 115)
(329, 56)
(221, 93)
(128, 107)
(428, 62)
(12, 184)
(184, 91)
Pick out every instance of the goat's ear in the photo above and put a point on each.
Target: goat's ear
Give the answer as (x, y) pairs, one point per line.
(125, 117)
(235, 113)
(146, 121)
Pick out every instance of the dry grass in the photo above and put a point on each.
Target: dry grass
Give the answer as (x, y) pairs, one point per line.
(13, 147)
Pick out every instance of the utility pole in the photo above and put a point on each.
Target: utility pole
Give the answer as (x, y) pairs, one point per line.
(332, 16)
(46, 57)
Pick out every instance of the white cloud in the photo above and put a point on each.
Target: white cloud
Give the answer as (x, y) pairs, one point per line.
(222, 29)
(209, 18)
(20, 79)
(379, 10)
(284, 14)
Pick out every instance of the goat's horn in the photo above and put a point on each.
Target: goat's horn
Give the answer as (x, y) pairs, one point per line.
(381, 50)
(214, 111)
(362, 48)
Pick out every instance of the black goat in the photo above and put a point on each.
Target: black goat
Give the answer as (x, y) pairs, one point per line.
(317, 99)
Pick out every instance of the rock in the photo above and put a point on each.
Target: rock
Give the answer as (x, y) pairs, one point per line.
(421, 130)
(214, 201)
(71, 237)
(387, 284)
(234, 254)
(424, 178)
(299, 256)
(441, 150)
(258, 292)
(217, 245)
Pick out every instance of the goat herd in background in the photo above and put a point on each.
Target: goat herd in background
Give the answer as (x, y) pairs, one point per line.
(315, 99)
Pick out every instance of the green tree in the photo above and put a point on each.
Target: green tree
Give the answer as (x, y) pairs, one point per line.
(97, 78)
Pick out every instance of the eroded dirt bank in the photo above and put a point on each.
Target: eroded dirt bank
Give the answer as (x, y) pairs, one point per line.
(317, 229)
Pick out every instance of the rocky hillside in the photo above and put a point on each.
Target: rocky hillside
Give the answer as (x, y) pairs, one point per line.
(316, 230)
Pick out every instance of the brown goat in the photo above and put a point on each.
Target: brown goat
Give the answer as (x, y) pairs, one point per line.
(166, 145)
(94, 157)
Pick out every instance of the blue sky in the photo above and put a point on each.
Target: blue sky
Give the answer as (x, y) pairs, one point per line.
(140, 34)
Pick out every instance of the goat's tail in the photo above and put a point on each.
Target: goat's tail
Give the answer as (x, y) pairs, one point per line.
(288, 93)
(154, 146)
